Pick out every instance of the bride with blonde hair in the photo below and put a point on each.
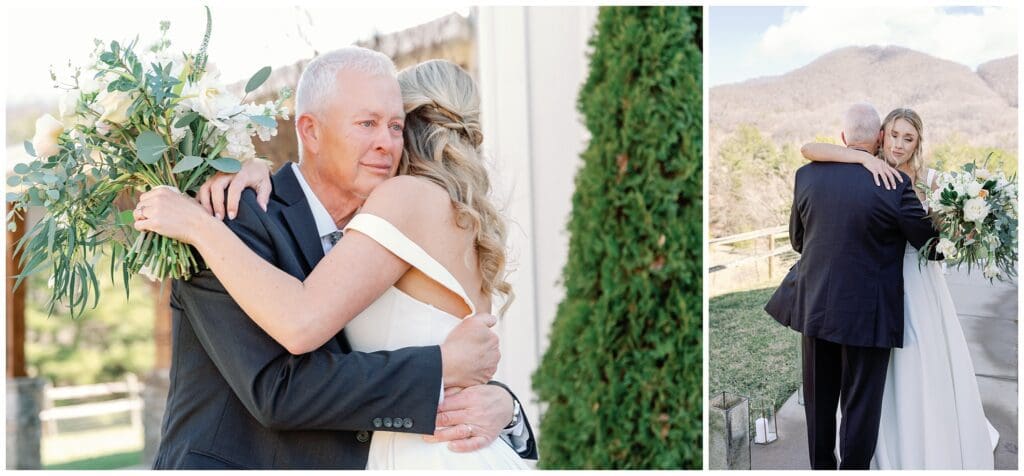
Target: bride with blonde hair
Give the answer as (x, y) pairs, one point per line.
(444, 256)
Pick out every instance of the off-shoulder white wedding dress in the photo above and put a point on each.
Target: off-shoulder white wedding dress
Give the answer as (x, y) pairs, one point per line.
(396, 320)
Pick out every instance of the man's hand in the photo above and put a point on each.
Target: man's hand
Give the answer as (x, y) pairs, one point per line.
(471, 418)
(470, 354)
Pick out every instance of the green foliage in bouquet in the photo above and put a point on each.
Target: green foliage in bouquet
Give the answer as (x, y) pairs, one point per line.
(976, 213)
(622, 378)
(131, 120)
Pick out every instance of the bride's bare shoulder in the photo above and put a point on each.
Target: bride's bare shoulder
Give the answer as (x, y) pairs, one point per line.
(410, 203)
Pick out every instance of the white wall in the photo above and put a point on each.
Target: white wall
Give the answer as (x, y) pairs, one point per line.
(532, 62)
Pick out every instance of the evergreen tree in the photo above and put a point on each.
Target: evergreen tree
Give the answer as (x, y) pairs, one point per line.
(622, 378)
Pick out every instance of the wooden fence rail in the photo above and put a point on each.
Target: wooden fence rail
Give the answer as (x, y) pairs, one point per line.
(131, 402)
(771, 235)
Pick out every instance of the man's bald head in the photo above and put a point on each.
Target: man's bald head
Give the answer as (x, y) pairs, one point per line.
(861, 126)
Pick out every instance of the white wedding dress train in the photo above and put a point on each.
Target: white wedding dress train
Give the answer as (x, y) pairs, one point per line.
(932, 416)
(396, 320)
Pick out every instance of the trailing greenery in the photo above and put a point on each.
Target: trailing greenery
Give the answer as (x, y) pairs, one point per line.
(131, 120)
(622, 378)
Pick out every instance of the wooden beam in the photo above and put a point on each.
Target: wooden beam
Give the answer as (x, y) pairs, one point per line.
(15, 305)
(776, 230)
(162, 324)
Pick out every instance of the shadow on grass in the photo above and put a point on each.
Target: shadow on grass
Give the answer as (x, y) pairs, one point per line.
(111, 461)
(750, 353)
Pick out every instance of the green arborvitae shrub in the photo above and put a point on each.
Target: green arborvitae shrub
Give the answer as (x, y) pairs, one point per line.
(621, 380)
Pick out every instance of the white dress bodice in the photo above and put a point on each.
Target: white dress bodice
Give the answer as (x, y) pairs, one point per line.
(397, 320)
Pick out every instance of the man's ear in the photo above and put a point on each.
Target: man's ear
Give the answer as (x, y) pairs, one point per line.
(843, 136)
(308, 129)
(881, 135)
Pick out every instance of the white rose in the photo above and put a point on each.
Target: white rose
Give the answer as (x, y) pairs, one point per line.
(973, 189)
(982, 174)
(114, 106)
(976, 209)
(209, 98)
(48, 130)
(946, 247)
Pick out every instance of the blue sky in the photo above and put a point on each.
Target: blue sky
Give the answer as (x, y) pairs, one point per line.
(750, 42)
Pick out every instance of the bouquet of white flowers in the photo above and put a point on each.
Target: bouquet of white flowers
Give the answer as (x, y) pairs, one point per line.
(975, 211)
(129, 121)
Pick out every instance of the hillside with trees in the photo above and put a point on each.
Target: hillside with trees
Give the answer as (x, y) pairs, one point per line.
(758, 126)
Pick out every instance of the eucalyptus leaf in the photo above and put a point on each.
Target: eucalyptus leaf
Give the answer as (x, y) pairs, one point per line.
(150, 147)
(265, 121)
(53, 194)
(30, 148)
(186, 120)
(21, 169)
(257, 79)
(187, 163)
(13, 181)
(13, 196)
(226, 165)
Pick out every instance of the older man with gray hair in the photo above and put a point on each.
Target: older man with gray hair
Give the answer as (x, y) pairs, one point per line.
(845, 295)
(237, 398)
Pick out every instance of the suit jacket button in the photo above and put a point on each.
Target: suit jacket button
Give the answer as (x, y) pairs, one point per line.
(387, 422)
(407, 423)
(377, 422)
(362, 437)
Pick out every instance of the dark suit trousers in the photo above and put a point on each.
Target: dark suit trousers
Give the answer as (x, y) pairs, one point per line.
(851, 376)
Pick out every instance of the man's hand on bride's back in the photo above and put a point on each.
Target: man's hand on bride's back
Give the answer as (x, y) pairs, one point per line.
(470, 354)
(255, 174)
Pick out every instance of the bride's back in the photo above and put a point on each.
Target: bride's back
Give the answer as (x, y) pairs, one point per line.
(435, 230)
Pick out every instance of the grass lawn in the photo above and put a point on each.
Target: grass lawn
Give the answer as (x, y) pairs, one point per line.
(109, 447)
(111, 461)
(750, 353)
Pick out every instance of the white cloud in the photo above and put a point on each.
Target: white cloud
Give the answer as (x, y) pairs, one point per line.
(969, 38)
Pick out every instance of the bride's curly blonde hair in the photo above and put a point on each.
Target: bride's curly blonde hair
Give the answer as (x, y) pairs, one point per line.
(442, 144)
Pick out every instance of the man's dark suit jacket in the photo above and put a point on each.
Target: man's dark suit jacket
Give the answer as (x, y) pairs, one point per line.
(239, 400)
(851, 235)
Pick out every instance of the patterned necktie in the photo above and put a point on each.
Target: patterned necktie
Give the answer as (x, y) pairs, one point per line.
(333, 237)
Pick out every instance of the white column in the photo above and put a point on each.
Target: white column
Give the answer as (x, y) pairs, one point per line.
(532, 62)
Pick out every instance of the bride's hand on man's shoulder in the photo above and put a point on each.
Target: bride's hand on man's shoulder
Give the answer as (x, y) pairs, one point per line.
(882, 172)
(220, 194)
